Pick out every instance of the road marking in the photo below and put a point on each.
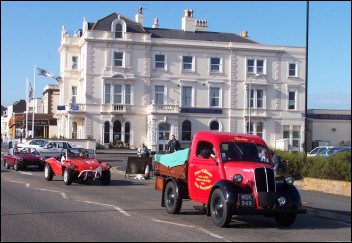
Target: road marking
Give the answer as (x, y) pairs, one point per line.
(167, 222)
(117, 208)
(25, 173)
(191, 226)
(21, 182)
(47, 190)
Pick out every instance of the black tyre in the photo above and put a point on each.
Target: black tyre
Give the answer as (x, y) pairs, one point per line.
(68, 176)
(7, 166)
(48, 173)
(173, 203)
(219, 210)
(285, 220)
(105, 178)
(16, 166)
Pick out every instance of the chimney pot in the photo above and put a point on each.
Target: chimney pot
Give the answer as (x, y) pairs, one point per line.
(244, 34)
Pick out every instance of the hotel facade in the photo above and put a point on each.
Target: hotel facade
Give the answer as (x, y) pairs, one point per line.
(121, 81)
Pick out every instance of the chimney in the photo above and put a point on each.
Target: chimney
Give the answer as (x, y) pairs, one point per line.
(244, 34)
(201, 25)
(188, 21)
(156, 23)
(140, 16)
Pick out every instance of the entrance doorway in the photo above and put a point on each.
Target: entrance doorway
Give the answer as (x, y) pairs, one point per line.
(163, 136)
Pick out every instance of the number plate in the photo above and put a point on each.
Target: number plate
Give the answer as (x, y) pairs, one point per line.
(246, 200)
(32, 166)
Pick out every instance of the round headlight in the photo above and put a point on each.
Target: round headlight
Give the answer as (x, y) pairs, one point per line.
(289, 180)
(72, 166)
(238, 178)
(281, 200)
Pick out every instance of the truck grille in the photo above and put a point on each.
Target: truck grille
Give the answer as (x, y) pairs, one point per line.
(265, 184)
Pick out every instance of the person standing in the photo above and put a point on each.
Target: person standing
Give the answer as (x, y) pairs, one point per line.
(173, 144)
(10, 144)
(143, 151)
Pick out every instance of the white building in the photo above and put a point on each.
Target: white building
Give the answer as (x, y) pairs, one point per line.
(123, 81)
(329, 127)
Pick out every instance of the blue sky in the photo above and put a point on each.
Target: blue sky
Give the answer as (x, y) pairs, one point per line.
(30, 35)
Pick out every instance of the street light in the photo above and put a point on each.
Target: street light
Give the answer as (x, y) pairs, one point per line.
(249, 102)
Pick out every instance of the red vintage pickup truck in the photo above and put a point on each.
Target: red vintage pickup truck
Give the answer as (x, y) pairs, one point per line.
(230, 174)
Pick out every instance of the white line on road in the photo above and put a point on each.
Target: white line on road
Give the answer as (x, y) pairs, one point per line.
(191, 226)
(47, 190)
(117, 208)
(25, 173)
(183, 225)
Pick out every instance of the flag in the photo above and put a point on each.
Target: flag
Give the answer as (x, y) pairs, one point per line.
(45, 73)
(29, 90)
(58, 79)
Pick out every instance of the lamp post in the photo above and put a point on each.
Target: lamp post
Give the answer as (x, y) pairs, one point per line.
(249, 102)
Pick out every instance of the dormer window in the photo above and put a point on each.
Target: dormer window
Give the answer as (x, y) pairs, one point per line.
(118, 28)
(118, 31)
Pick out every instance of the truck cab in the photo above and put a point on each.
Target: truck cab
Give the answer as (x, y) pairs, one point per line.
(230, 173)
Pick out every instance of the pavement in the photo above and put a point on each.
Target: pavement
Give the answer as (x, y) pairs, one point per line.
(318, 203)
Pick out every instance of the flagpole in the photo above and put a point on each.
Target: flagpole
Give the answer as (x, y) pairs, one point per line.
(33, 96)
(27, 97)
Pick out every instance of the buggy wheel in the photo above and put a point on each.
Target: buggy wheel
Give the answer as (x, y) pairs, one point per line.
(173, 203)
(105, 178)
(48, 173)
(68, 176)
(219, 210)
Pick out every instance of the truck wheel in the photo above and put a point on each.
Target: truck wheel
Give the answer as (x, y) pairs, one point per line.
(219, 210)
(48, 173)
(173, 203)
(285, 219)
(68, 176)
(105, 178)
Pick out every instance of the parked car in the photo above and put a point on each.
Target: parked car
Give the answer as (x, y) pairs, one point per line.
(24, 158)
(77, 164)
(317, 150)
(34, 143)
(332, 151)
(341, 150)
(53, 148)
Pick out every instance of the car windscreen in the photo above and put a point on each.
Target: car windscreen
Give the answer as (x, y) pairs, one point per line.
(243, 151)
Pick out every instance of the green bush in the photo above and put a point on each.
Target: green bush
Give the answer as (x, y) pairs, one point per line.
(336, 167)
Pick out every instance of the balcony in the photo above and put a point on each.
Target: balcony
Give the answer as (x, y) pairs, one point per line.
(173, 109)
(116, 108)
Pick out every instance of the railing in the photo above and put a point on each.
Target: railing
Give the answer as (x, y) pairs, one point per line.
(164, 108)
(116, 108)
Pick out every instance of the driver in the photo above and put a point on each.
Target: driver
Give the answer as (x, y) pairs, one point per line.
(82, 154)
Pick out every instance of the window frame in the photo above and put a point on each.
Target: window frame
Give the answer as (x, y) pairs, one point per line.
(116, 59)
(123, 29)
(191, 103)
(256, 68)
(164, 62)
(74, 60)
(254, 97)
(183, 63)
(220, 65)
(74, 94)
(295, 70)
(290, 101)
(211, 87)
